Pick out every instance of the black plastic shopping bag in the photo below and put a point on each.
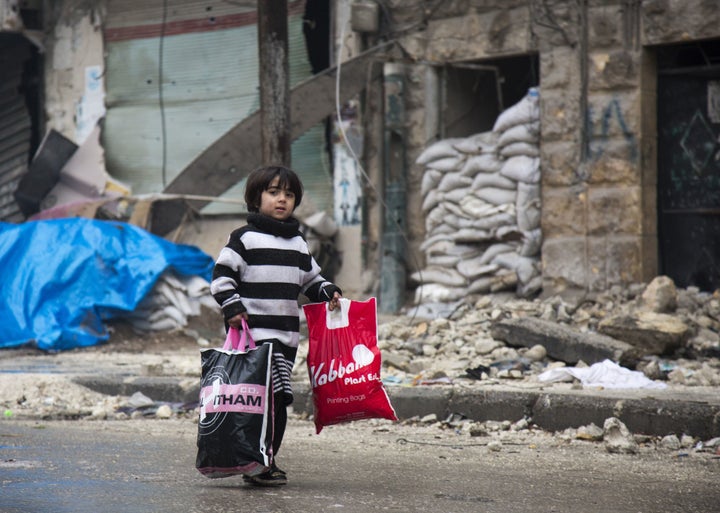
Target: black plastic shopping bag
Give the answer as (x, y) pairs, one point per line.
(235, 428)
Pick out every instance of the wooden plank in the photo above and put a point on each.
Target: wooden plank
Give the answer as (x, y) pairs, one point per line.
(229, 159)
(274, 81)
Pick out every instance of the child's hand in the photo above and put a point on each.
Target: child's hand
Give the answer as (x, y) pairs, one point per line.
(334, 302)
(236, 320)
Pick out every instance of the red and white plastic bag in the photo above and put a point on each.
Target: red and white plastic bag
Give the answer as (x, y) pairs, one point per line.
(344, 363)
(235, 428)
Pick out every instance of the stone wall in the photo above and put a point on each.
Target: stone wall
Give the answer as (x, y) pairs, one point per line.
(598, 129)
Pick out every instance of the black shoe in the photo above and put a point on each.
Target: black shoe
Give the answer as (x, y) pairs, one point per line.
(273, 477)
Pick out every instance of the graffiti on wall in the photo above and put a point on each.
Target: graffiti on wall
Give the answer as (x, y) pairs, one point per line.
(604, 123)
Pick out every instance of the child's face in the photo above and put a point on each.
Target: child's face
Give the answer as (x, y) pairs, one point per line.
(276, 202)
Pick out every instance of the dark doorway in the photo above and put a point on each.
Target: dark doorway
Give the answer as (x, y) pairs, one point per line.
(475, 93)
(689, 164)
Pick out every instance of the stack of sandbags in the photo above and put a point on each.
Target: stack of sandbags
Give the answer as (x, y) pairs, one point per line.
(171, 301)
(481, 200)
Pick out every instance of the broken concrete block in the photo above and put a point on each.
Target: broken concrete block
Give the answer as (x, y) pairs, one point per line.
(649, 332)
(562, 342)
(660, 296)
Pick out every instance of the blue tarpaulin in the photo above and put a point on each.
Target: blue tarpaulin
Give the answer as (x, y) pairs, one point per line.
(62, 278)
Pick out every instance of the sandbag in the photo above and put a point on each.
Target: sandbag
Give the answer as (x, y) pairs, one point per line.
(436, 293)
(438, 150)
(445, 164)
(441, 275)
(520, 133)
(520, 148)
(452, 181)
(483, 142)
(528, 206)
(522, 169)
(475, 207)
(526, 110)
(433, 199)
(457, 195)
(484, 163)
(492, 180)
(523, 266)
(430, 179)
(496, 196)
(531, 243)
(495, 250)
(472, 269)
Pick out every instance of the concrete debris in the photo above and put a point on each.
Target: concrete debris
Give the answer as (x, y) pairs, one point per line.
(650, 332)
(498, 337)
(617, 437)
(591, 432)
(562, 342)
(435, 368)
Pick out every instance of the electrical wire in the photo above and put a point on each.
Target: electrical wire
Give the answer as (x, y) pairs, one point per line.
(359, 165)
(161, 100)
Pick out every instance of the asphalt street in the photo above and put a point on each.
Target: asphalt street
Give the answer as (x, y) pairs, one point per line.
(147, 466)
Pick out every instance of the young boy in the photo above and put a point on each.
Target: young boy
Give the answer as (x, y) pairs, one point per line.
(259, 275)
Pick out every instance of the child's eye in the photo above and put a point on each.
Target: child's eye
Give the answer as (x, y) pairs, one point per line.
(274, 191)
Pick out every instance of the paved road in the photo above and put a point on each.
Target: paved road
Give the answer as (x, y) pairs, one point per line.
(148, 466)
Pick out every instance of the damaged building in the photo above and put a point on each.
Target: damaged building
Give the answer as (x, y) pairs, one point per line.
(624, 167)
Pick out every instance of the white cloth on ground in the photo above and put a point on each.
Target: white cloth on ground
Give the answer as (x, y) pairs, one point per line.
(606, 374)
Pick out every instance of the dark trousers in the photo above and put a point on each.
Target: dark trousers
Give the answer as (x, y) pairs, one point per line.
(280, 421)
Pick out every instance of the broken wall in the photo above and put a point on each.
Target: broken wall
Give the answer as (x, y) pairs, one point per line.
(598, 125)
(74, 67)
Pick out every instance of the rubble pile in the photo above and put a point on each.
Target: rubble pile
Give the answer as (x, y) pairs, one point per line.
(481, 201)
(613, 435)
(445, 344)
(454, 342)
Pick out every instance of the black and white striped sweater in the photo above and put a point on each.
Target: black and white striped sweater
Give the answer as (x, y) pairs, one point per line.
(262, 270)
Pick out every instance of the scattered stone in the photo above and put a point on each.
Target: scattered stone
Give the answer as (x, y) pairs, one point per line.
(138, 400)
(536, 353)
(98, 413)
(429, 419)
(671, 442)
(660, 296)
(651, 369)
(618, 438)
(590, 432)
(495, 446)
(651, 333)
(520, 425)
(560, 341)
(687, 441)
(478, 429)
(642, 439)
(163, 412)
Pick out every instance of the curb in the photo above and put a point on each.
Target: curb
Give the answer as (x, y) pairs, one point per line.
(651, 412)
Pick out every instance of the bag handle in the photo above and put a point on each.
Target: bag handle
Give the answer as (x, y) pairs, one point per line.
(340, 317)
(239, 341)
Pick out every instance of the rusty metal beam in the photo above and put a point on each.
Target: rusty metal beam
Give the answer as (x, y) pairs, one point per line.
(229, 159)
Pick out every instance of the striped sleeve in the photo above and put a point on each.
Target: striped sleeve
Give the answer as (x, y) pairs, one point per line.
(224, 286)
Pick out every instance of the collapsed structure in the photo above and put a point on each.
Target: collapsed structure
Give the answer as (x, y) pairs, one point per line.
(628, 118)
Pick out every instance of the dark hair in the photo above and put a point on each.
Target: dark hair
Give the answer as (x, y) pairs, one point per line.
(259, 181)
